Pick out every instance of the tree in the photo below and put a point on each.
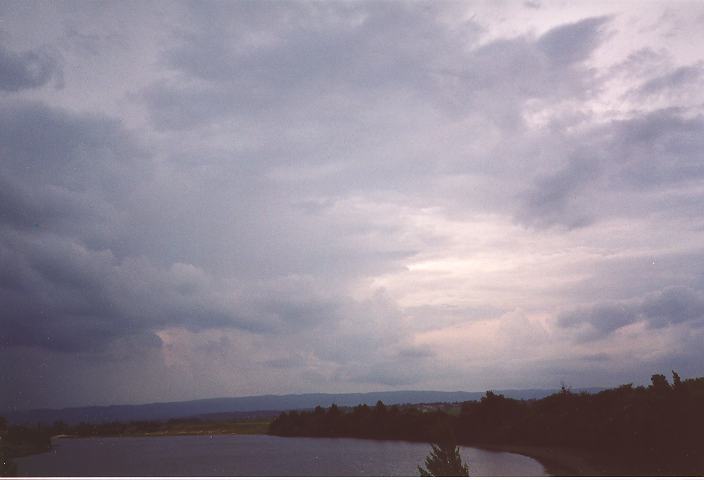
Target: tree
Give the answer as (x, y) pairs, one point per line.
(444, 461)
(8, 468)
(659, 382)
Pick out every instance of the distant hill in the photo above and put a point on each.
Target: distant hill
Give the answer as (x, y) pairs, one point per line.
(271, 404)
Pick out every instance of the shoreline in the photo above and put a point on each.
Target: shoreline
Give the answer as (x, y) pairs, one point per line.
(561, 461)
(197, 433)
(28, 450)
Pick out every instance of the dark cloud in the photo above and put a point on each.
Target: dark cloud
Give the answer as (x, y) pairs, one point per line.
(601, 320)
(670, 306)
(673, 305)
(310, 196)
(65, 176)
(660, 148)
(65, 158)
(30, 69)
(362, 51)
(255, 58)
(286, 80)
(625, 158)
(555, 199)
(66, 297)
(574, 42)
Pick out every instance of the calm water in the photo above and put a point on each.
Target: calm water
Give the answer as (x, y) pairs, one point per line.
(254, 455)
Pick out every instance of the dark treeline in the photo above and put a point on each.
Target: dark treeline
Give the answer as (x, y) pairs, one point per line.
(380, 422)
(657, 429)
(17, 441)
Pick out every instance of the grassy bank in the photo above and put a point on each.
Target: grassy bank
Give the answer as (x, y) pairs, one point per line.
(232, 428)
(171, 428)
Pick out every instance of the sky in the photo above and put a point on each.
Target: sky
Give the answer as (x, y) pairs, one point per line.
(237, 198)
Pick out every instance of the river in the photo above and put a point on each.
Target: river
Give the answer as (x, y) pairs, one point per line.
(254, 455)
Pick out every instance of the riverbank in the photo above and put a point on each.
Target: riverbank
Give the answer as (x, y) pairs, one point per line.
(564, 461)
(181, 429)
(18, 450)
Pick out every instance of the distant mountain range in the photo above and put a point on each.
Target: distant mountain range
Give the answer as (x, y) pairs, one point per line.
(269, 404)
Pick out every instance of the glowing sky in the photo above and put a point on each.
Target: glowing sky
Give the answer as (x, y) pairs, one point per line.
(232, 198)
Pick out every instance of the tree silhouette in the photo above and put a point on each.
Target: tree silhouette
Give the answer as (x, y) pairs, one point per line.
(444, 461)
(657, 430)
(659, 382)
(8, 468)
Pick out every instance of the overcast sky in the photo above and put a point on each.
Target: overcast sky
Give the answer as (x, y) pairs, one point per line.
(222, 199)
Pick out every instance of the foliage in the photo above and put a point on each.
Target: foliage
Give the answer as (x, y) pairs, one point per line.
(648, 431)
(7, 466)
(444, 461)
(380, 422)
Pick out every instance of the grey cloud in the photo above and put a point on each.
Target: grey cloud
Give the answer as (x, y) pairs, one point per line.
(431, 317)
(669, 306)
(416, 352)
(314, 44)
(313, 53)
(663, 147)
(284, 80)
(686, 76)
(618, 368)
(642, 63)
(574, 42)
(67, 180)
(37, 376)
(596, 358)
(625, 158)
(633, 275)
(602, 319)
(69, 298)
(30, 69)
(309, 50)
(92, 44)
(674, 305)
(555, 199)
(73, 153)
(285, 362)
(300, 155)
(85, 264)
(176, 108)
(389, 374)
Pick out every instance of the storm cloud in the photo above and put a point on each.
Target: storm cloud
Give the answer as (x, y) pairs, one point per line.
(29, 69)
(212, 199)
